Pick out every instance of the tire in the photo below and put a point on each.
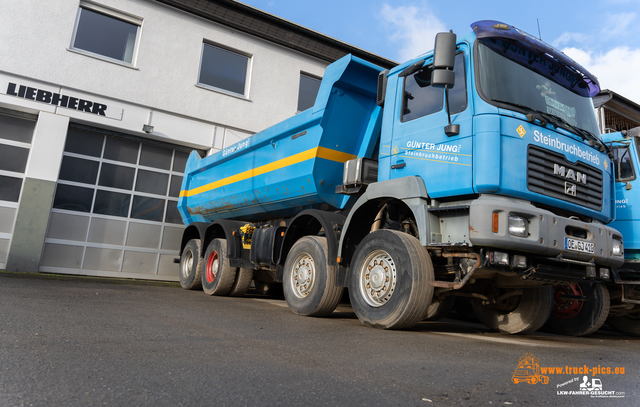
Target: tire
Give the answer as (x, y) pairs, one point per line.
(217, 277)
(191, 265)
(309, 288)
(628, 324)
(242, 283)
(389, 280)
(575, 318)
(439, 309)
(521, 314)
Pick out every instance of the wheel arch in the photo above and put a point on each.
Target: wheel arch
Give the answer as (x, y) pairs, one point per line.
(222, 229)
(309, 223)
(194, 231)
(408, 192)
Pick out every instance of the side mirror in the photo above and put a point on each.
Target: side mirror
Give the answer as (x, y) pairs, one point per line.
(443, 76)
(444, 54)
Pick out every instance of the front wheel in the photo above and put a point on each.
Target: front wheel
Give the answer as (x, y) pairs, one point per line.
(516, 314)
(578, 318)
(309, 288)
(389, 280)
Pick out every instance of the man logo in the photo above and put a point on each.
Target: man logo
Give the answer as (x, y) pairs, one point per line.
(575, 176)
(570, 189)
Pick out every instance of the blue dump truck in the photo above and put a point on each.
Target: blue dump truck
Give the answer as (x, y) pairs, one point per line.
(475, 170)
(624, 291)
(581, 308)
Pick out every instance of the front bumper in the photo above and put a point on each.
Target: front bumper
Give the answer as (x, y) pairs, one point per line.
(546, 232)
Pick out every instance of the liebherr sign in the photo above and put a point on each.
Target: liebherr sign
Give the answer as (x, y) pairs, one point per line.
(81, 104)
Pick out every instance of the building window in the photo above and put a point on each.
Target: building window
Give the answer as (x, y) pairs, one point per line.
(308, 91)
(223, 69)
(106, 33)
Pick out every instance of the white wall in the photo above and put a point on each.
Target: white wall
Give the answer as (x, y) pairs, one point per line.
(36, 36)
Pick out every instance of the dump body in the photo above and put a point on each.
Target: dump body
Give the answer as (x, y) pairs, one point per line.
(294, 165)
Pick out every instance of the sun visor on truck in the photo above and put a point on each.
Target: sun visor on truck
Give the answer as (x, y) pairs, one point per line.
(588, 85)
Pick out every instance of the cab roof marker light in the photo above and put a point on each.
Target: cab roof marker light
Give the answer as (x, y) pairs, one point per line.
(501, 26)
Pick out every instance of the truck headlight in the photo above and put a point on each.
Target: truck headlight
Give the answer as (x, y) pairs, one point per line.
(499, 258)
(617, 247)
(518, 226)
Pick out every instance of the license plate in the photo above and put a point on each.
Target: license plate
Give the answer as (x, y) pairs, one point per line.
(578, 245)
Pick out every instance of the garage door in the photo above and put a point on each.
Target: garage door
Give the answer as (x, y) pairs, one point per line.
(16, 132)
(114, 210)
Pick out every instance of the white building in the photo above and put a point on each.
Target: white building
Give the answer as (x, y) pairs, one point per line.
(102, 101)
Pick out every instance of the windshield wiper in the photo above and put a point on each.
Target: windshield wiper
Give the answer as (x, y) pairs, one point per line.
(556, 121)
(531, 116)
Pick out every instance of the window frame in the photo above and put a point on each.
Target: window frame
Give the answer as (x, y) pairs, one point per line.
(247, 78)
(310, 76)
(627, 147)
(117, 15)
(429, 65)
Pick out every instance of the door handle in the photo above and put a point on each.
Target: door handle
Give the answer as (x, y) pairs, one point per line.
(398, 166)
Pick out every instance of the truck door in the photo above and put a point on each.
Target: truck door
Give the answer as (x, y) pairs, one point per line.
(627, 191)
(419, 145)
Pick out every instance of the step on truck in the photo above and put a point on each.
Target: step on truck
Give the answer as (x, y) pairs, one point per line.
(475, 170)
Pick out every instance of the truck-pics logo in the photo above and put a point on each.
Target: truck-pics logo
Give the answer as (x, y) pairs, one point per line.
(528, 370)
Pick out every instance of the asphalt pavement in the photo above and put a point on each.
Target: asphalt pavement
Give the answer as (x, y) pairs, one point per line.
(68, 341)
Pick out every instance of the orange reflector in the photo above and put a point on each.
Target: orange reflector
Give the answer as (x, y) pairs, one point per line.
(281, 234)
(495, 223)
(338, 259)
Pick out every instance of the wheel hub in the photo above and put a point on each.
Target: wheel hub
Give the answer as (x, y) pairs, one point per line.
(187, 263)
(303, 275)
(213, 263)
(565, 307)
(378, 278)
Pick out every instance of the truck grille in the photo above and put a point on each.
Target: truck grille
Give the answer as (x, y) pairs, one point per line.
(550, 174)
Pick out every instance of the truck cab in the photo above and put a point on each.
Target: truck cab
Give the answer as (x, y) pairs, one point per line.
(625, 289)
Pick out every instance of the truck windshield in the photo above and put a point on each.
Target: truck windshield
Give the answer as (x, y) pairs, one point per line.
(514, 76)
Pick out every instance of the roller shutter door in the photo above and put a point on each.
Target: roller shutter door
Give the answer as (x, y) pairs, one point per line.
(114, 211)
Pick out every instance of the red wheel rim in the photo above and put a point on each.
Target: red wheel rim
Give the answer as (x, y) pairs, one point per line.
(566, 308)
(212, 267)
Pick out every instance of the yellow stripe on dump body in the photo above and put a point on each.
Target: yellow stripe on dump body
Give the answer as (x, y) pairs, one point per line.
(319, 152)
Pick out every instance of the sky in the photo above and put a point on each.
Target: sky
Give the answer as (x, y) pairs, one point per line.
(601, 35)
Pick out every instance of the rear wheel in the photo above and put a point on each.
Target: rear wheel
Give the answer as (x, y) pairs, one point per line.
(191, 265)
(242, 283)
(578, 318)
(439, 309)
(218, 277)
(516, 314)
(309, 288)
(389, 280)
